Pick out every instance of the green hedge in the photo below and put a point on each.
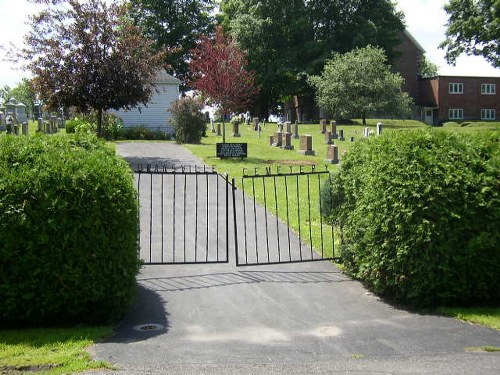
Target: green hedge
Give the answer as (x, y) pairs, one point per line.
(68, 231)
(419, 215)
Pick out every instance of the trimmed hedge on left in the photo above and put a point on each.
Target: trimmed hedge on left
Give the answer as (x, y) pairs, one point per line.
(68, 231)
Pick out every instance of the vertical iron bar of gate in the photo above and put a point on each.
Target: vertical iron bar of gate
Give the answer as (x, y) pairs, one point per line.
(321, 217)
(227, 217)
(184, 216)
(277, 221)
(196, 219)
(139, 214)
(288, 220)
(265, 216)
(151, 219)
(298, 214)
(173, 226)
(309, 209)
(217, 221)
(244, 218)
(233, 190)
(331, 226)
(162, 219)
(208, 219)
(255, 219)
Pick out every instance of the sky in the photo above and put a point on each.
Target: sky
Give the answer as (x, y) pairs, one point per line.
(425, 20)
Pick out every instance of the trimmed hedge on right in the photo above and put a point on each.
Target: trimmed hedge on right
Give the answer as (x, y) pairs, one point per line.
(419, 214)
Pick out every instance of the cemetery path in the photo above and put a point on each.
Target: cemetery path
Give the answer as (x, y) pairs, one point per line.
(306, 318)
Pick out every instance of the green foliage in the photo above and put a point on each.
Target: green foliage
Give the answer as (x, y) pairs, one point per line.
(360, 83)
(188, 120)
(473, 28)
(144, 133)
(68, 231)
(80, 125)
(88, 123)
(23, 93)
(419, 214)
(427, 68)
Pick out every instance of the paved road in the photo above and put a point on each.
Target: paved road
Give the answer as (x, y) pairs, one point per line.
(280, 319)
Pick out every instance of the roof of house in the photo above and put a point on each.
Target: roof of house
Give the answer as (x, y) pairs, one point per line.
(414, 41)
(163, 77)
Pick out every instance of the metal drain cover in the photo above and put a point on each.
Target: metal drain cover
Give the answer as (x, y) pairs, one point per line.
(149, 327)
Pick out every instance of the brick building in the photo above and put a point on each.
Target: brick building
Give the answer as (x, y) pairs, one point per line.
(455, 98)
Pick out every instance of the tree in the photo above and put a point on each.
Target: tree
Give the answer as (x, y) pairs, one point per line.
(4, 93)
(427, 68)
(89, 55)
(25, 94)
(473, 28)
(287, 40)
(360, 83)
(219, 73)
(175, 25)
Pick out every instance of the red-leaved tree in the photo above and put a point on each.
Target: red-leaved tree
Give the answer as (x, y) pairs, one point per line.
(218, 67)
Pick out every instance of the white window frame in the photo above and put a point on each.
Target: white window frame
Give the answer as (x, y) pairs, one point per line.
(456, 88)
(456, 114)
(488, 89)
(488, 114)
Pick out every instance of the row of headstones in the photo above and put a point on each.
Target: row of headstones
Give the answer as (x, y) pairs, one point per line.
(50, 126)
(340, 136)
(284, 140)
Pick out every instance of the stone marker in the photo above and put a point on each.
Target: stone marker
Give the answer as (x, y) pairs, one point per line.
(25, 128)
(219, 133)
(333, 125)
(212, 126)
(365, 132)
(379, 128)
(322, 122)
(332, 154)
(296, 129)
(271, 140)
(341, 135)
(278, 139)
(306, 145)
(288, 126)
(236, 129)
(255, 123)
(287, 141)
(328, 137)
(351, 139)
(40, 124)
(16, 128)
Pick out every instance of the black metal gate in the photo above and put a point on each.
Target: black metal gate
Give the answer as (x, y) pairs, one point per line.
(184, 214)
(261, 237)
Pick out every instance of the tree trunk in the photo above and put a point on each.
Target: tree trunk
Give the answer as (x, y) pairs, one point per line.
(364, 119)
(100, 130)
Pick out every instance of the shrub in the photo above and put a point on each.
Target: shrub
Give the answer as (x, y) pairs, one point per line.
(188, 120)
(419, 214)
(68, 231)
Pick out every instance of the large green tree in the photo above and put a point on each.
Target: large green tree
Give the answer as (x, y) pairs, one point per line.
(287, 40)
(360, 83)
(473, 28)
(175, 25)
(88, 54)
(23, 92)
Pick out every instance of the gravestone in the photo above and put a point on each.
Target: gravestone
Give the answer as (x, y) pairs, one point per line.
(278, 139)
(365, 132)
(341, 135)
(296, 129)
(306, 145)
(288, 126)
(25, 128)
(332, 154)
(328, 137)
(351, 139)
(379, 128)
(219, 133)
(255, 123)
(16, 128)
(287, 141)
(333, 125)
(271, 140)
(236, 129)
(322, 122)
(40, 124)
(212, 127)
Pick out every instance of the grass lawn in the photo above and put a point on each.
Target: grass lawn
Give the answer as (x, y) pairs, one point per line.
(486, 316)
(50, 351)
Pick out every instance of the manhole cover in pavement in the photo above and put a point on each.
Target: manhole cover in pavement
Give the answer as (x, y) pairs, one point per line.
(149, 327)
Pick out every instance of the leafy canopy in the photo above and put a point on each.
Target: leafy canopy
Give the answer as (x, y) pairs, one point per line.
(175, 25)
(89, 55)
(360, 83)
(473, 28)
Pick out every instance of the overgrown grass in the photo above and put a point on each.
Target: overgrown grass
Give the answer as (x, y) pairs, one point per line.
(50, 351)
(486, 316)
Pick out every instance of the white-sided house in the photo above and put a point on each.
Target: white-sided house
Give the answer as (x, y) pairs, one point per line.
(155, 115)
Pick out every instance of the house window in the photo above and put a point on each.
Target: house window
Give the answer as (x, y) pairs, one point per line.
(456, 88)
(488, 88)
(456, 114)
(488, 114)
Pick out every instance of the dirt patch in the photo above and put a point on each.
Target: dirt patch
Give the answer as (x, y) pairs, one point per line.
(12, 370)
(290, 162)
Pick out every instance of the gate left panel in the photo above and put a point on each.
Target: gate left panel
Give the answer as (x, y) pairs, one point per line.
(183, 217)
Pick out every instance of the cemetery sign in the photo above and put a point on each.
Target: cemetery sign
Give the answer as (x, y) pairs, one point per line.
(232, 150)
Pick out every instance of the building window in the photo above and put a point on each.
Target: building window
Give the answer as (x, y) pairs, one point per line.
(456, 114)
(488, 88)
(488, 114)
(456, 88)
